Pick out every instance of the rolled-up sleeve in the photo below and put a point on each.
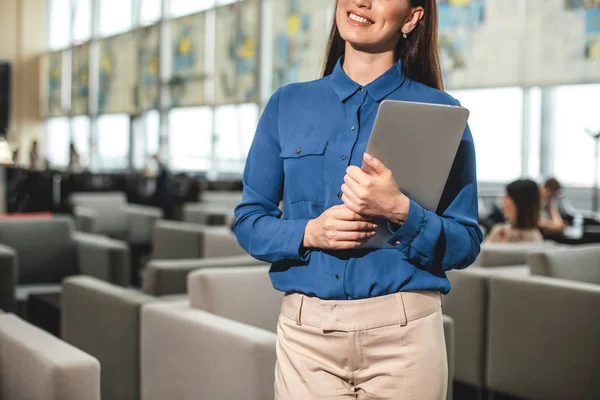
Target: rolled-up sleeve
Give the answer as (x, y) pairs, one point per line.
(259, 226)
(449, 238)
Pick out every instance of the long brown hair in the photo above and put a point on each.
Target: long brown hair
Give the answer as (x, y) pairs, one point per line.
(525, 193)
(419, 52)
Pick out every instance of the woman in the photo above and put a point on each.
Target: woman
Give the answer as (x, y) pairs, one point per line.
(357, 323)
(521, 207)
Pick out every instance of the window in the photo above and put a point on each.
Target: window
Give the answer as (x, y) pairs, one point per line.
(575, 114)
(534, 133)
(145, 139)
(150, 11)
(81, 128)
(190, 138)
(59, 22)
(184, 7)
(497, 134)
(82, 20)
(57, 142)
(234, 127)
(115, 16)
(113, 142)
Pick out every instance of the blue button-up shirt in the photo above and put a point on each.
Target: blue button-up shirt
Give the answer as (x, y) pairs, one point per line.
(307, 136)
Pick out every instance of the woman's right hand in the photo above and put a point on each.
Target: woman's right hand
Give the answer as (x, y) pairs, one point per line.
(338, 228)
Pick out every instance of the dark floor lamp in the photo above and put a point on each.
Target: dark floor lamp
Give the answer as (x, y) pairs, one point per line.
(596, 137)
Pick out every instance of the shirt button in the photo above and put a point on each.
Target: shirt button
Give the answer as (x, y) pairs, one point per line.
(337, 276)
(298, 150)
(352, 127)
(397, 242)
(362, 89)
(343, 157)
(339, 195)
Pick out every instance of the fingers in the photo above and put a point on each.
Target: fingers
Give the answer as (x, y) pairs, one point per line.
(374, 164)
(341, 236)
(354, 226)
(360, 176)
(343, 213)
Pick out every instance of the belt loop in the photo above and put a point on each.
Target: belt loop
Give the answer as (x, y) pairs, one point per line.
(299, 312)
(402, 309)
(441, 298)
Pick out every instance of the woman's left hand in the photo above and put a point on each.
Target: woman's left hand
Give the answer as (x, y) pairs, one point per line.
(373, 192)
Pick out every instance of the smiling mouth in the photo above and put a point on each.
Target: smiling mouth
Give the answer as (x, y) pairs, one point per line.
(359, 19)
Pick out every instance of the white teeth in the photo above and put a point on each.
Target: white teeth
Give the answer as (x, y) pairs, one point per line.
(360, 19)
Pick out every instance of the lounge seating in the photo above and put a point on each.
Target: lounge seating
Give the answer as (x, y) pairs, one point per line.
(543, 338)
(508, 254)
(36, 365)
(37, 254)
(467, 304)
(580, 263)
(109, 214)
(196, 346)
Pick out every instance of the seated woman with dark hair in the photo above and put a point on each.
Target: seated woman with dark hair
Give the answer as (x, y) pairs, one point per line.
(521, 208)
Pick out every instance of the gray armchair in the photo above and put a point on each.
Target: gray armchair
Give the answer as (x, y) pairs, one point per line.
(37, 254)
(508, 254)
(36, 365)
(195, 346)
(209, 214)
(580, 263)
(110, 214)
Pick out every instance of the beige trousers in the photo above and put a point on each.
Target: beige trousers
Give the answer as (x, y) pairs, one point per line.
(389, 347)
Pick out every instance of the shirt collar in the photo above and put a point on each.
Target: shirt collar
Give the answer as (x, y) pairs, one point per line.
(345, 87)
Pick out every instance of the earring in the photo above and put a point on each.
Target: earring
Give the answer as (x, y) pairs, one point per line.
(404, 35)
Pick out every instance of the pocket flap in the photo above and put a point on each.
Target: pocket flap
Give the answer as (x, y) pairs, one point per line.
(304, 148)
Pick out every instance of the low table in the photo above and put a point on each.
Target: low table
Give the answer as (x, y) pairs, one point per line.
(43, 311)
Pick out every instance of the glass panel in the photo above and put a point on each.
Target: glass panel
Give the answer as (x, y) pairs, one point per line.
(115, 16)
(575, 116)
(59, 22)
(234, 128)
(185, 7)
(150, 11)
(145, 139)
(236, 53)
(53, 102)
(82, 20)
(190, 137)
(81, 127)
(113, 142)
(535, 132)
(57, 143)
(149, 68)
(497, 134)
(188, 49)
(117, 74)
(80, 76)
(300, 31)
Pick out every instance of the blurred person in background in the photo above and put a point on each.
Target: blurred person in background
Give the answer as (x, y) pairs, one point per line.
(521, 208)
(36, 162)
(550, 223)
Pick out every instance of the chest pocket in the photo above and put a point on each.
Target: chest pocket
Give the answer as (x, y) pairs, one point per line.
(303, 167)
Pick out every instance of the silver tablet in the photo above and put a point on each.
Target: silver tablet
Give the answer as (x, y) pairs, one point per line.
(418, 142)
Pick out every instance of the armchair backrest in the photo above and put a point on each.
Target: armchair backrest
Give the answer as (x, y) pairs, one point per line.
(576, 264)
(110, 208)
(244, 294)
(506, 254)
(45, 248)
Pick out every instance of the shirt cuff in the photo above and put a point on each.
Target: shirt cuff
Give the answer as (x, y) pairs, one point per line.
(403, 236)
(293, 244)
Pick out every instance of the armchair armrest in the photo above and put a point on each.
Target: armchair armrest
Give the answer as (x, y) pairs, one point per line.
(176, 341)
(85, 219)
(140, 222)
(8, 277)
(163, 277)
(103, 258)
